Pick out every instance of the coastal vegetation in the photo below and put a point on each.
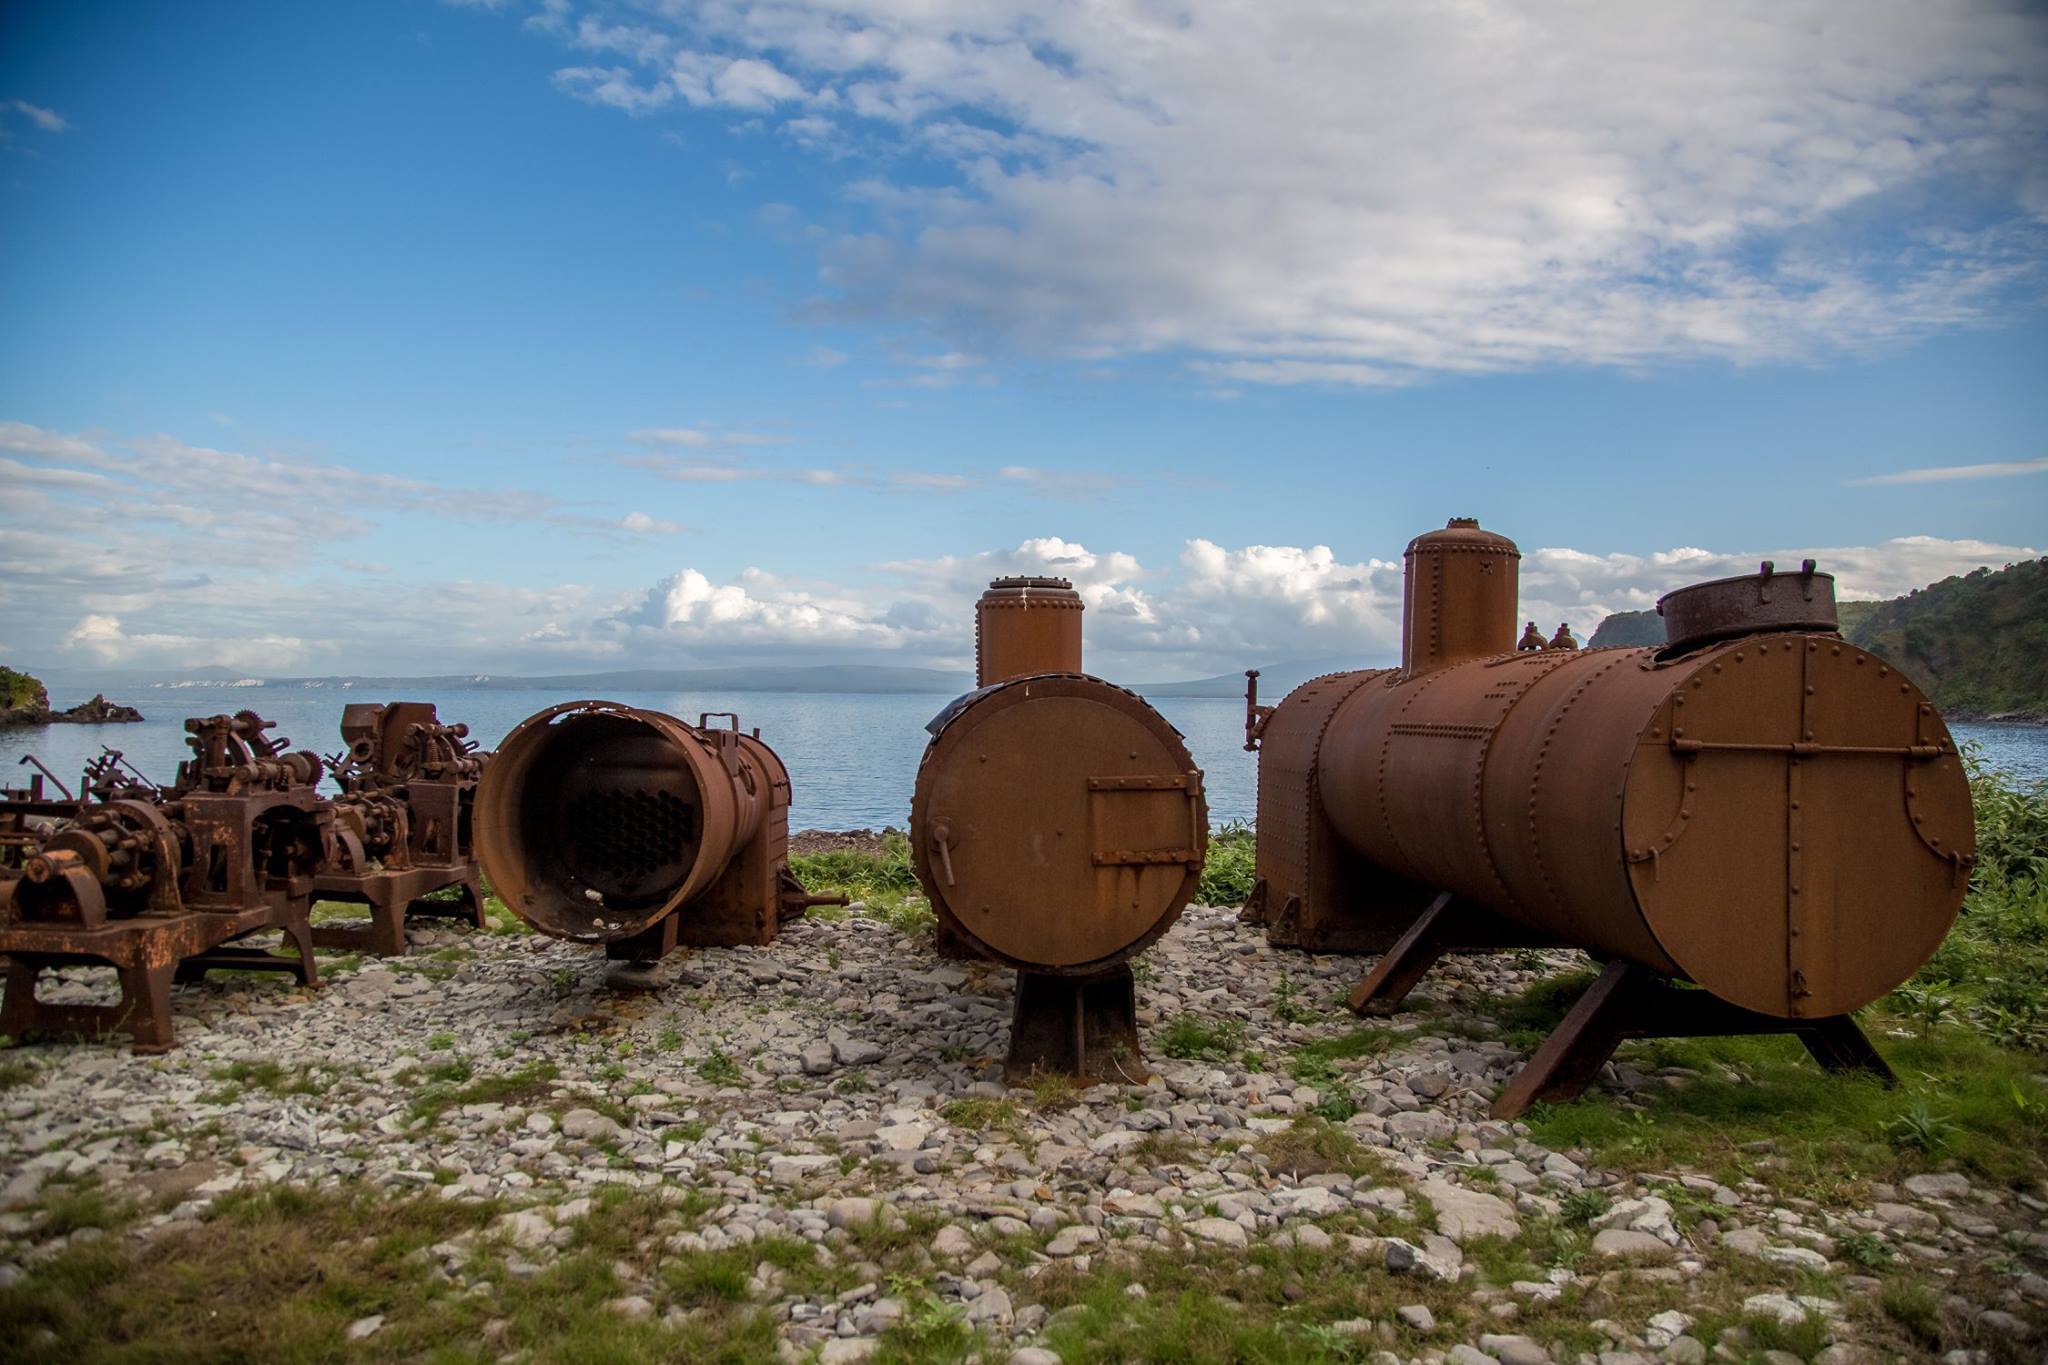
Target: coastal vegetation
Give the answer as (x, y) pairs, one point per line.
(1976, 643)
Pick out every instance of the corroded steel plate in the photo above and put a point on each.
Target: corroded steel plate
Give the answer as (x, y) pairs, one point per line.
(1797, 826)
(1059, 822)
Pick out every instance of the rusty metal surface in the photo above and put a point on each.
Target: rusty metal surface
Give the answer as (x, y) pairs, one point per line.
(602, 823)
(1740, 815)
(1725, 608)
(1458, 596)
(1024, 626)
(155, 882)
(404, 825)
(1059, 823)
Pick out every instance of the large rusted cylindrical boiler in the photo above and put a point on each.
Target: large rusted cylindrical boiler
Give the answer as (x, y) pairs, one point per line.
(611, 824)
(1058, 827)
(1758, 807)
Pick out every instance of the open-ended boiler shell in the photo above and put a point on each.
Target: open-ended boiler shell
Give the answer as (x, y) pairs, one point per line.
(597, 821)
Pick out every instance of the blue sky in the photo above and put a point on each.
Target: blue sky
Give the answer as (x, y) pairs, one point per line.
(550, 336)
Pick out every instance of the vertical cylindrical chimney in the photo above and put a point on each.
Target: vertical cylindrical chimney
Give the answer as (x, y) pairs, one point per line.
(1458, 598)
(1026, 625)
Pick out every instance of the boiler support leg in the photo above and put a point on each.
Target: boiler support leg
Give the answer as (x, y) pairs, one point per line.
(1404, 965)
(1629, 1002)
(1083, 1028)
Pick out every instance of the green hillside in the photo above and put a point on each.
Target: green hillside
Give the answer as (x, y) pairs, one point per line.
(1977, 644)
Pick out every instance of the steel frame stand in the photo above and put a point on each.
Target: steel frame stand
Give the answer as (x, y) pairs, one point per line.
(1084, 1028)
(394, 898)
(149, 954)
(1629, 1002)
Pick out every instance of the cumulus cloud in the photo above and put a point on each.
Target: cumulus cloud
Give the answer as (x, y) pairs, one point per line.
(1220, 608)
(102, 640)
(1316, 191)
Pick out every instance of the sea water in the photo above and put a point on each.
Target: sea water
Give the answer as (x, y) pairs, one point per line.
(852, 758)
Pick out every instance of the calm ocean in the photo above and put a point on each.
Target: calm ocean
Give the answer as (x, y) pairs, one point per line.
(852, 759)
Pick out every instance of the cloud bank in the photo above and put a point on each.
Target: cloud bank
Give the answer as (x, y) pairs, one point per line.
(1324, 192)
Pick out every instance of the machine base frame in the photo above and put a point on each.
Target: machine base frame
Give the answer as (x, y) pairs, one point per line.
(149, 953)
(1630, 1002)
(1084, 1028)
(1625, 1002)
(394, 897)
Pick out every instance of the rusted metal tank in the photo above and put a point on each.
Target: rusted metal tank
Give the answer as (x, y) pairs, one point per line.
(1024, 626)
(159, 884)
(1058, 827)
(606, 823)
(404, 825)
(1758, 807)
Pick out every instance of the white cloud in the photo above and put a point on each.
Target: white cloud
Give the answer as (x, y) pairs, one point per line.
(1319, 191)
(1219, 609)
(640, 524)
(49, 120)
(101, 640)
(697, 438)
(2002, 469)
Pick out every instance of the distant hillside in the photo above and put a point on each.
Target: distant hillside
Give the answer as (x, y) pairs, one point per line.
(1976, 644)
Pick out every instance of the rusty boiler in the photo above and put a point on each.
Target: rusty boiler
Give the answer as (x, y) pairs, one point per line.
(404, 825)
(1758, 808)
(161, 884)
(605, 823)
(1058, 827)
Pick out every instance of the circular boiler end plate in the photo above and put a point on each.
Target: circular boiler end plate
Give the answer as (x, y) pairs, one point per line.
(1798, 825)
(1060, 823)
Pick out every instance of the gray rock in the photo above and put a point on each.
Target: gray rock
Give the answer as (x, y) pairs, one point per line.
(1513, 1350)
(1220, 1231)
(1418, 1316)
(849, 1213)
(991, 1309)
(1938, 1185)
(587, 1125)
(857, 1053)
(364, 1328)
(1463, 1213)
(1034, 1355)
(816, 1059)
(1623, 1242)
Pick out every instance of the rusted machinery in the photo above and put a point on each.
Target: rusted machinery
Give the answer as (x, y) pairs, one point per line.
(1757, 807)
(160, 885)
(1058, 828)
(403, 825)
(609, 824)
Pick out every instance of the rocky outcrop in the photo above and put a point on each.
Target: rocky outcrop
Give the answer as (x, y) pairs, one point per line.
(25, 701)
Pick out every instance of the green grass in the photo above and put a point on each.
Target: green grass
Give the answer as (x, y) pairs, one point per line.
(1195, 1038)
(1227, 871)
(1992, 971)
(876, 878)
(1314, 1146)
(717, 1068)
(451, 1086)
(1960, 1101)
(985, 1115)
